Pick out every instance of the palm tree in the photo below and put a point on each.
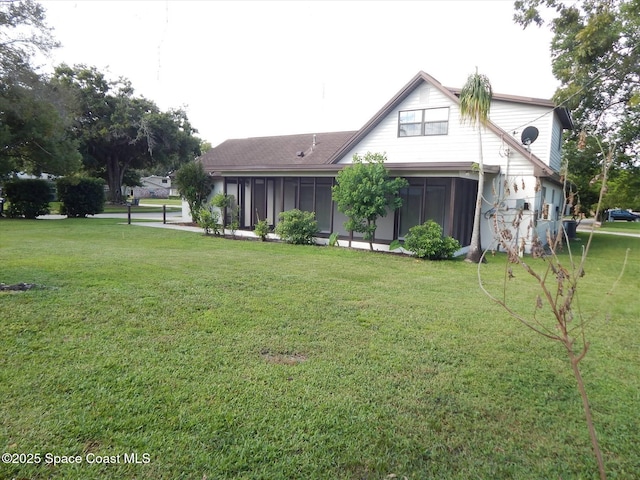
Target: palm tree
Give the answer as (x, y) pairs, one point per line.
(475, 103)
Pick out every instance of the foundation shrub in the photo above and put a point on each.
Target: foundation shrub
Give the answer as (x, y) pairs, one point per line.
(426, 241)
(297, 227)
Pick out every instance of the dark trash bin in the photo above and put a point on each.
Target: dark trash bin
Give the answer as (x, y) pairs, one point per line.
(569, 227)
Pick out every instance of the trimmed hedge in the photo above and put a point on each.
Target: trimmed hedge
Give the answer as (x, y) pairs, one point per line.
(28, 198)
(80, 197)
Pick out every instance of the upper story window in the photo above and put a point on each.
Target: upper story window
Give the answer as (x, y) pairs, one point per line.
(427, 121)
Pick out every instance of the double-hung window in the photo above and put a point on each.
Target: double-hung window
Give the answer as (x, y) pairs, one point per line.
(424, 122)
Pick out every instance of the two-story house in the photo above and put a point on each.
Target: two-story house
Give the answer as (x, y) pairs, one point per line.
(420, 132)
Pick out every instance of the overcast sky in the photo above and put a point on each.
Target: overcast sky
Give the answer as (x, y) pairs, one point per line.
(246, 69)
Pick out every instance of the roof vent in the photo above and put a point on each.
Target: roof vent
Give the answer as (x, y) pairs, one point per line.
(300, 153)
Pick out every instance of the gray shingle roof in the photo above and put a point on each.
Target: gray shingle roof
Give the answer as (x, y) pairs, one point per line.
(280, 151)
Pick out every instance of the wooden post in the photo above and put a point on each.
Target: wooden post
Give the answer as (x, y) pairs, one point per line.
(164, 214)
(129, 214)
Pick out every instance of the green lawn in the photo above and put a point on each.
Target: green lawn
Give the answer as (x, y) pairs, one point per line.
(240, 359)
(627, 227)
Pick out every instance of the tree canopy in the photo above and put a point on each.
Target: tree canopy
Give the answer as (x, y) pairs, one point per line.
(77, 118)
(595, 54)
(118, 131)
(33, 124)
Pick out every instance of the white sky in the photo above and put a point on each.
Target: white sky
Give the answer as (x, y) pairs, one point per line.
(246, 69)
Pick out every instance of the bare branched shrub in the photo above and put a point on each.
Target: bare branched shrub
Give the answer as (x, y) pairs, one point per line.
(555, 315)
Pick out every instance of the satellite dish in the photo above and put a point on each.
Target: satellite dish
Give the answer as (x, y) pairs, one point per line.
(529, 135)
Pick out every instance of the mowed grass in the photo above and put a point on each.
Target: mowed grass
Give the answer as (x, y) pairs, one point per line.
(620, 226)
(239, 359)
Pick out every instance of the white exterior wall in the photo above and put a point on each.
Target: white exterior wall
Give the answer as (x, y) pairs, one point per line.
(515, 117)
(528, 197)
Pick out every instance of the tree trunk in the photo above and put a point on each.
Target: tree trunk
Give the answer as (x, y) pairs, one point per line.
(475, 248)
(115, 176)
(114, 179)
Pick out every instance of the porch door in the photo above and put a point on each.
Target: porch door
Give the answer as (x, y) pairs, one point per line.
(259, 201)
(411, 211)
(435, 204)
(263, 200)
(315, 196)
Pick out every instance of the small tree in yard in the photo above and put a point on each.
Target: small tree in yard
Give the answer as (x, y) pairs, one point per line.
(194, 186)
(222, 201)
(475, 103)
(364, 192)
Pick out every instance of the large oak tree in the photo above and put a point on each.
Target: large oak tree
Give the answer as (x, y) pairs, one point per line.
(119, 131)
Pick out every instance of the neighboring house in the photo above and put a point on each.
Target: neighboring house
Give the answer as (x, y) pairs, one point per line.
(420, 132)
(153, 186)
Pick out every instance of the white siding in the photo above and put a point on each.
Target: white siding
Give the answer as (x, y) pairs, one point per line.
(556, 145)
(515, 117)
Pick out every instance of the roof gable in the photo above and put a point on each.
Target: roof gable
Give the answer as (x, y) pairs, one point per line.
(541, 167)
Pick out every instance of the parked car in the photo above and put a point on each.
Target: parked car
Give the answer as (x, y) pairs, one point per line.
(623, 215)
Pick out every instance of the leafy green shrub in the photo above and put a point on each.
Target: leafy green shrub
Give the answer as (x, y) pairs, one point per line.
(28, 198)
(426, 241)
(222, 201)
(80, 196)
(297, 227)
(194, 185)
(262, 229)
(209, 221)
